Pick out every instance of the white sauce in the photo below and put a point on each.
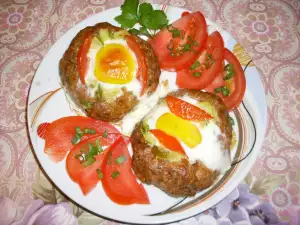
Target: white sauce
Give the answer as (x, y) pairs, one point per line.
(166, 84)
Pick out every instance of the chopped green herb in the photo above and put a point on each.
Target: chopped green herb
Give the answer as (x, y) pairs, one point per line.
(195, 43)
(105, 133)
(223, 89)
(99, 147)
(195, 65)
(231, 121)
(76, 139)
(89, 131)
(120, 159)
(100, 174)
(92, 86)
(196, 74)
(115, 174)
(93, 151)
(175, 32)
(209, 61)
(186, 47)
(80, 157)
(89, 162)
(229, 72)
(79, 131)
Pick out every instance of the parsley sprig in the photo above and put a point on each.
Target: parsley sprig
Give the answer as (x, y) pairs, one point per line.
(144, 14)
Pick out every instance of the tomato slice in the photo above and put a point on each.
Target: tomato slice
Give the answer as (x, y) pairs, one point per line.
(193, 26)
(82, 59)
(59, 134)
(168, 141)
(119, 183)
(142, 66)
(236, 85)
(185, 13)
(207, 68)
(186, 110)
(86, 176)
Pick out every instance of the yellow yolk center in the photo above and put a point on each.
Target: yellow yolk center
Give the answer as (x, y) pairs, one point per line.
(114, 64)
(182, 129)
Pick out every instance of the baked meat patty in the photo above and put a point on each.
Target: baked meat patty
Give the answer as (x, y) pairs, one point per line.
(172, 172)
(107, 96)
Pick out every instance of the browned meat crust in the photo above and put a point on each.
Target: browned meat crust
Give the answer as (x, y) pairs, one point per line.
(178, 178)
(98, 107)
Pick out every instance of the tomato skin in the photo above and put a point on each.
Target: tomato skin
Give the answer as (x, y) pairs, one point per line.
(239, 82)
(194, 26)
(236, 85)
(124, 189)
(186, 110)
(82, 59)
(86, 177)
(42, 129)
(185, 13)
(215, 47)
(168, 141)
(58, 135)
(142, 66)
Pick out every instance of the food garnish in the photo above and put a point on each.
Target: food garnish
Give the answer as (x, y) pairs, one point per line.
(144, 14)
(186, 110)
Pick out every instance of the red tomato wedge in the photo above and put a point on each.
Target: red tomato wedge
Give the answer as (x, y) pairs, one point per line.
(193, 28)
(86, 176)
(186, 110)
(42, 129)
(207, 68)
(58, 135)
(82, 59)
(142, 66)
(236, 85)
(168, 141)
(119, 183)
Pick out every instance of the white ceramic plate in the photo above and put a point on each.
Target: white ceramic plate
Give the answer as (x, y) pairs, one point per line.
(47, 102)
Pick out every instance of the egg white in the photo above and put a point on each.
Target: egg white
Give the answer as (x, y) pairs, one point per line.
(167, 83)
(134, 85)
(209, 151)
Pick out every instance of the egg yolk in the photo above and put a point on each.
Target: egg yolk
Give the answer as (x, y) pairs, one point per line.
(182, 129)
(114, 64)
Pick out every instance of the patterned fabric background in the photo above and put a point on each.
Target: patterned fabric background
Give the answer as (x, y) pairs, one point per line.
(269, 31)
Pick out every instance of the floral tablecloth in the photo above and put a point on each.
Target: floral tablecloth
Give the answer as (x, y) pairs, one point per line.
(269, 30)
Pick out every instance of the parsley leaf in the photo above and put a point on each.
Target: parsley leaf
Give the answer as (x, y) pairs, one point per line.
(130, 6)
(144, 9)
(129, 16)
(144, 14)
(126, 20)
(159, 21)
